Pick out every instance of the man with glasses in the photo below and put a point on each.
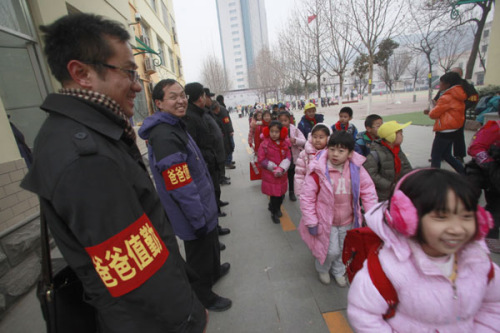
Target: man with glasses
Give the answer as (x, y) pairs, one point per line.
(185, 187)
(95, 192)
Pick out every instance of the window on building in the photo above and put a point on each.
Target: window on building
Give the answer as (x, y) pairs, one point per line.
(240, 80)
(145, 36)
(232, 11)
(235, 32)
(237, 46)
(484, 48)
(232, 4)
(241, 87)
(160, 46)
(237, 53)
(152, 3)
(179, 67)
(486, 33)
(165, 16)
(237, 60)
(239, 66)
(171, 59)
(240, 73)
(234, 18)
(237, 39)
(235, 25)
(480, 79)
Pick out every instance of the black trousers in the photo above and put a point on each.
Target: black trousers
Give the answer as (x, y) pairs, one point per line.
(459, 144)
(215, 175)
(275, 204)
(291, 175)
(203, 257)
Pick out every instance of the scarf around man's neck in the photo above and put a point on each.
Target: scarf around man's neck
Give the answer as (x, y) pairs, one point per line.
(395, 151)
(107, 103)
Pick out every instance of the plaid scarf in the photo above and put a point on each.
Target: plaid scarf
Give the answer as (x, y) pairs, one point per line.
(108, 104)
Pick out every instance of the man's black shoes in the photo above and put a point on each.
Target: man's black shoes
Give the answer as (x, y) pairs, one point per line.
(223, 203)
(223, 231)
(220, 304)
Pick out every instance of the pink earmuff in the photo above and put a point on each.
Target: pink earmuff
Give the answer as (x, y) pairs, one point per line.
(403, 216)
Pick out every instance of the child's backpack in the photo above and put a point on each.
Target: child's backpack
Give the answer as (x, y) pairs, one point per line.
(362, 244)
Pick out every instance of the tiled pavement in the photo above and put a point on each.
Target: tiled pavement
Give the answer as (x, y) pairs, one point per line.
(272, 282)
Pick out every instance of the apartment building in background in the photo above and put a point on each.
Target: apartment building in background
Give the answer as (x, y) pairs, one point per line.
(25, 81)
(243, 33)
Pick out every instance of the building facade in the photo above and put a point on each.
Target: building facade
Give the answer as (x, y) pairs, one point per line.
(25, 81)
(243, 33)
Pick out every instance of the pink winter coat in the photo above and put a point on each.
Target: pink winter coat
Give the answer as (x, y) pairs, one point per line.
(270, 156)
(318, 207)
(302, 164)
(426, 296)
(300, 141)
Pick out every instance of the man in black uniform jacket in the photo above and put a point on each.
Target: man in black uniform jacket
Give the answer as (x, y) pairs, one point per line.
(100, 204)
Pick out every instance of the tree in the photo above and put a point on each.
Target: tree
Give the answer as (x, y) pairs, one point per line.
(214, 76)
(373, 21)
(428, 27)
(340, 53)
(265, 73)
(451, 49)
(385, 51)
(360, 70)
(416, 69)
(476, 14)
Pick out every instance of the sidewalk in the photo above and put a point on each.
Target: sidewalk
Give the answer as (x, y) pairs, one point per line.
(272, 281)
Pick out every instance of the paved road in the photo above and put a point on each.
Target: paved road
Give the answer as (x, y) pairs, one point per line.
(272, 282)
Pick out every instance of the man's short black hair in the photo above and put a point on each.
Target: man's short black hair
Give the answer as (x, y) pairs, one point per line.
(82, 37)
(342, 139)
(371, 119)
(347, 110)
(158, 92)
(220, 99)
(194, 90)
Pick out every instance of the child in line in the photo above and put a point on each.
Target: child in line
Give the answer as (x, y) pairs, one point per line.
(309, 119)
(365, 139)
(297, 141)
(386, 162)
(330, 203)
(434, 255)
(254, 135)
(275, 158)
(317, 140)
(345, 116)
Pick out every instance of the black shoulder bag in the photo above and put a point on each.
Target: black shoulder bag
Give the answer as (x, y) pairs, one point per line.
(61, 294)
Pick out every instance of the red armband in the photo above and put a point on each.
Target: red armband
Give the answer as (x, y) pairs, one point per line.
(177, 176)
(129, 258)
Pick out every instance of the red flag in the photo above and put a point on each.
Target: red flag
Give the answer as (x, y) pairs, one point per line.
(311, 18)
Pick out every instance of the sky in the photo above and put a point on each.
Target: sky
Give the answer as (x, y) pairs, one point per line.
(198, 30)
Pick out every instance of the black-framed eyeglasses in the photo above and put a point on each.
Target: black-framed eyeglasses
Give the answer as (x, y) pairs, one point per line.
(132, 74)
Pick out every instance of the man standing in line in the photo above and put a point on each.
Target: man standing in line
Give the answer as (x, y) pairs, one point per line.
(185, 188)
(228, 128)
(95, 192)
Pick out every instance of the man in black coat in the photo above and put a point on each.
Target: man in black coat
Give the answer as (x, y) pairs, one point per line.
(95, 192)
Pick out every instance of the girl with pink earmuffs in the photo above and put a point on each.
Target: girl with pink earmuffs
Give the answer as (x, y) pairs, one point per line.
(434, 255)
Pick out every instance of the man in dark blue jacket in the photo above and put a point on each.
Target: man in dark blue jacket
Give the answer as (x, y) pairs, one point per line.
(185, 188)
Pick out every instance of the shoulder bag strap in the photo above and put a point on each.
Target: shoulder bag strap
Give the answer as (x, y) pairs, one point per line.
(383, 284)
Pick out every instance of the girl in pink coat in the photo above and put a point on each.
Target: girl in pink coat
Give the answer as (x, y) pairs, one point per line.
(435, 257)
(256, 128)
(297, 141)
(274, 158)
(330, 203)
(317, 140)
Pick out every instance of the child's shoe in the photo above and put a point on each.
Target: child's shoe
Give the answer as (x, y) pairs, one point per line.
(341, 281)
(324, 277)
(275, 219)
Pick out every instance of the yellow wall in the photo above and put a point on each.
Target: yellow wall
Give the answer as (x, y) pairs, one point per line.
(493, 68)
